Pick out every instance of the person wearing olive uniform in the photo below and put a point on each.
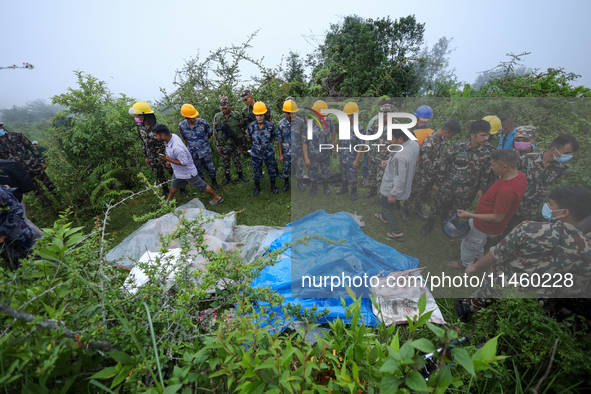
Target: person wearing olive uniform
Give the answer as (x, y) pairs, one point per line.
(227, 139)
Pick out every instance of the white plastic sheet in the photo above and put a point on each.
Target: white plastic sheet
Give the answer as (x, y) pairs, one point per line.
(397, 302)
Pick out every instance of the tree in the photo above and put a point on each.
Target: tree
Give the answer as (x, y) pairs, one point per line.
(368, 57)
(294, 68)
(94, 141)
(32, 111)
(433, 71)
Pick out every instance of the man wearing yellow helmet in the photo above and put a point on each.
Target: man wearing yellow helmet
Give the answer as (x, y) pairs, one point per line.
(196, 131)
(314, 157)
(261, 133)
(289, 132)
(348, 155)
(152, 148)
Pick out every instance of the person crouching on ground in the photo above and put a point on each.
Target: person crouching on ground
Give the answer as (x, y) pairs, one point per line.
(184, 170)
(496, 207)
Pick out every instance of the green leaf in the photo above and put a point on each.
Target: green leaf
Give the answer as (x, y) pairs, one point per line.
(101, 386)
(415, 381)
(390, 366)
(120, 378)
(422, 304)
(423, 345)
(424, 319)
(351, 293)
(172, 389)
(480, 365)
(440, 332)
(463, 358)
(489, 350)
(122, 357)
(105, 373)
(395, 341)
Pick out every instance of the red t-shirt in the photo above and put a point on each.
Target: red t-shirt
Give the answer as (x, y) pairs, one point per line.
(502, 198)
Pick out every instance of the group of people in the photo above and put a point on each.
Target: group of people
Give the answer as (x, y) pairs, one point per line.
(510, 182)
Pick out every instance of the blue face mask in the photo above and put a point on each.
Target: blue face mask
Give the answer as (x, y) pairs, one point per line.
(562, 158)
(2, 132)
(547, 212)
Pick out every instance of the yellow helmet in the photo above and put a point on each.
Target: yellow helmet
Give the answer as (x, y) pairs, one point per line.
(259, 108)
(140, 108)
(350, 108)
(495, 123)
(319, 106)
(290, 106)
(188, 111)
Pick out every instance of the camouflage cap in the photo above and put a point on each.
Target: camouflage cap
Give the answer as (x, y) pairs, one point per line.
(525, 132)
(246, 92)
(388, 108)
(224, 101)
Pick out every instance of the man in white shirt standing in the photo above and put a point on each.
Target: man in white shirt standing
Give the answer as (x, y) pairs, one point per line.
(184, 170)
(397, 180)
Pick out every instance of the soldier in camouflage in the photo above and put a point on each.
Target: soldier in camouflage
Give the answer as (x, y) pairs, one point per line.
(196, 131)
(557, 247)
(523, 140)
(542, 169)
(261, 134)
(289, 130)
(380, 152)
(430, 155)
(17, 147)
(463, 175)
(348, 156)
(227, 138)
(152, 148)
(16, 237)
(315, 157)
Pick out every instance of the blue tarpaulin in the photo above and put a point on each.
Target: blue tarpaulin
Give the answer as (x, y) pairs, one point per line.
(357, 255)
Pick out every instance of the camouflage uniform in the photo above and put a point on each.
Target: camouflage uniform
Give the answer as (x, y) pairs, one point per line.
(249, 117)
(462, 173)
(292, 132)
(533, 247)
(318, 158)
(17, 147)
(375, 157)
(539, 179)
(348, 173)
(431, 153)
(197, 139)
(20, 239)
(152, 149)
(262, 149)
(525, 132)
(229, 148)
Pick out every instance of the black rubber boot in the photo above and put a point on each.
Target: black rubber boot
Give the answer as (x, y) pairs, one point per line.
(286, 185)
(226, 180)
(257, 188)
(165, 191)
(183, 192)
(214, 184)
(344, 188)
(420, 214)
(429, 226)
(372, 192)
(405, 215)
(313, 189)
(326, 189)
(273, 187)
(242, 177)
(353, 194)
(301, 186)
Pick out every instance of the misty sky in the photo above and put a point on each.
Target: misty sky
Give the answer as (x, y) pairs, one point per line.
(137, 46)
